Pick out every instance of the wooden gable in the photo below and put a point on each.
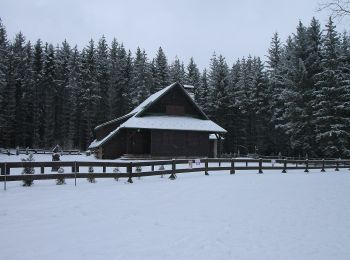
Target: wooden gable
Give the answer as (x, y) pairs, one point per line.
(175, 102)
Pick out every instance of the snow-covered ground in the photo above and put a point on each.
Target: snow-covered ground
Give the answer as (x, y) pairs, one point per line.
(221, 216)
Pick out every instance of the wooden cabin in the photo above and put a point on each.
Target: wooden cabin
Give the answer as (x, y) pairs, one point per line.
(168, 124)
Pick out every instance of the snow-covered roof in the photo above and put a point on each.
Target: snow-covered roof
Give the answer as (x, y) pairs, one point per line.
(96, 143)
(148, 101)
(160, 122)
(166, 123)
(173, 123)
(114, 120)
(214, 137)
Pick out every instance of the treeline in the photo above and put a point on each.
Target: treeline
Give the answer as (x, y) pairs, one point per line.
(297, 103)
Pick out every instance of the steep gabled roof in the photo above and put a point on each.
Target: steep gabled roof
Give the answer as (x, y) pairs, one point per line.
(140, 107)
(160, 122)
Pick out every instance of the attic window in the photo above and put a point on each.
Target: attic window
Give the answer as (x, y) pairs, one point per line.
(175, 110)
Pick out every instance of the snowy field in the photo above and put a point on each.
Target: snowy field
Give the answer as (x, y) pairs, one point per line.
(221, 216)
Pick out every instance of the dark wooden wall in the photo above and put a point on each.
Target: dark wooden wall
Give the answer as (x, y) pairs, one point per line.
(179, 143)
(116, 146)
(138, 141)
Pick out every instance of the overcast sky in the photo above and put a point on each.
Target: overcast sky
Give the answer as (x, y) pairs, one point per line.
(182, 27)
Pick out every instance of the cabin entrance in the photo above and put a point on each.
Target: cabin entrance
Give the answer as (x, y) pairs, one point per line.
(138, 141)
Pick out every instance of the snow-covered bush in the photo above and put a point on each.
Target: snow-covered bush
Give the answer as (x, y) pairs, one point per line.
(60, 180)
(28, 170)
(161, 168)
(91, 179)
(116, 170)
(138, 169)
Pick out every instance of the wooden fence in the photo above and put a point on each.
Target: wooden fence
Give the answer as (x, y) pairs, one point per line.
(38, 151)
(134, 169)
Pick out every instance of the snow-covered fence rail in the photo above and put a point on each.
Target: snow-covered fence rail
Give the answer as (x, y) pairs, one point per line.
(37, 151)
(82, 169)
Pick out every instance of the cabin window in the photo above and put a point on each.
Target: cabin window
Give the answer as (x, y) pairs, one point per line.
(175, 110)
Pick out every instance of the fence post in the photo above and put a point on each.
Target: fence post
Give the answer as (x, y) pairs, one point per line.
(232, 171)
(173, 168)
(42, 170)
(260, 166)
(75, 173)
(284, 166)
(104, 169)
(206, 167)
(306, 165)
(129, 170)
(5, 176)
(3, 171)
(323, 163)
(152, 167)
(337, 166)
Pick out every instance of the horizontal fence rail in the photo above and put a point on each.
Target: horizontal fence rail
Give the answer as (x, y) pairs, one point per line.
(39, 151)
(130, 169)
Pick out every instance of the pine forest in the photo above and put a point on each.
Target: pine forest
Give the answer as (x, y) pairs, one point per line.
(294, 101)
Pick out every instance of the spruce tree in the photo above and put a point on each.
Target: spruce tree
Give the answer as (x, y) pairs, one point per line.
(103, 79)
(120, 80)
(193, 77)
(4, 70)
(39, 97)
(177, 72)
(202, 91)
(274, 53)
(233, 126)
(74, 101)
(28, 99)
(161, 76)
(63, 93)
(113, 79)
(50, 94)
(141, 78)
(90, 94)
(218, 85)
(13, 93)
(331, 115)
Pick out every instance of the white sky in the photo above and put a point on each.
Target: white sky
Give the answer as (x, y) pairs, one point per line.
(184, 28)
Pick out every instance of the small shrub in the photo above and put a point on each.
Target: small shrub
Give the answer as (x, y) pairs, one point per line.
(161, 168)
(91, 179)
(28, 170)
(138, 170)
(60, 180)
(116, 170)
